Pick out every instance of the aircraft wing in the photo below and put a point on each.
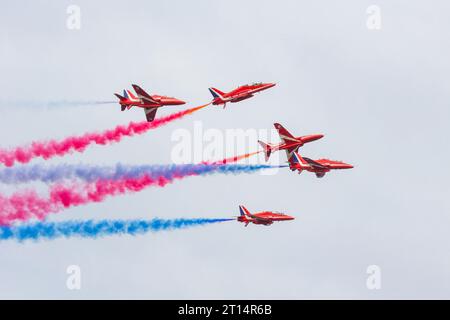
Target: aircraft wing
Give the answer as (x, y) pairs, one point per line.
(320, 174)
(285, 135)
(242, 95)
(259, 218)
(150, 113)
(146, 98)
(314, 164)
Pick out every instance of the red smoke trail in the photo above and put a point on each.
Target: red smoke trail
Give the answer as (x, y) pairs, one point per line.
(27, 205)
(54, 148)
(233, 159)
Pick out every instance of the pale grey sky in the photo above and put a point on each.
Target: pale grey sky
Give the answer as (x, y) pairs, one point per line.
(380, 98)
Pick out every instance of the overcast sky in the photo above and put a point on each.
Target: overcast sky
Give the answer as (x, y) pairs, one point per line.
(381, 97)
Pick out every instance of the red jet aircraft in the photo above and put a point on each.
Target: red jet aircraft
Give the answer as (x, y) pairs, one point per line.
(319, 167)
(265, 218)
(146, 101)
(239, 94)
(289, 142)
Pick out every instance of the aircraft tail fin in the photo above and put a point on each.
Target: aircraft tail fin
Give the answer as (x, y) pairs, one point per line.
(121, 99)
(130, 95)
(297, 159)
(216, 93)
(119, 96)
(267, 149)
(243, 211)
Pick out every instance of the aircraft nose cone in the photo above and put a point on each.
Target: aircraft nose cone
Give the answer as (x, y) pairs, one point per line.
(316, 136)
(178, 101)
(312, 137)
(270, 85)
(347, 166)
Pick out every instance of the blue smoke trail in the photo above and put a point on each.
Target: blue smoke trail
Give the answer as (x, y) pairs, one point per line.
(91, 173)
(94, 229)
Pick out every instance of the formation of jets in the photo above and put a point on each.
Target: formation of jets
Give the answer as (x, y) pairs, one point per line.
(151, 103)
(289, 143)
